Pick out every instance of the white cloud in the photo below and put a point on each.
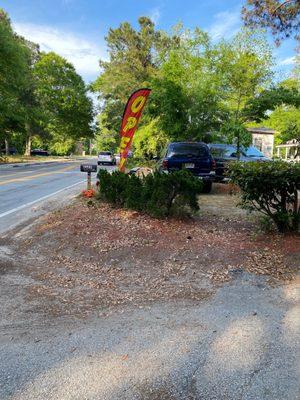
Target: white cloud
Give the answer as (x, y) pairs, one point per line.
(287, 61)
(83, 54)
(225, 25)
(154, 15)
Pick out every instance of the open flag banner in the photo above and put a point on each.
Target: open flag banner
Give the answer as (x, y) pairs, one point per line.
(131, 117)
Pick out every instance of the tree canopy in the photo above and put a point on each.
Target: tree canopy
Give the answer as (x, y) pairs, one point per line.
(41, 96)
(15, 59)
(200, 88)
(197, 86)
(134, 57)
(284, 94)
(278, 108)
(280, 16)
(63, 95)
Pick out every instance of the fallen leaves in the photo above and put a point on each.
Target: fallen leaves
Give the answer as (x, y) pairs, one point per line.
(268, 262)
(84, 261)
(88, 193)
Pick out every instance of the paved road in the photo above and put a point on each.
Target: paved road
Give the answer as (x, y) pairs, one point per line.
(25, 191)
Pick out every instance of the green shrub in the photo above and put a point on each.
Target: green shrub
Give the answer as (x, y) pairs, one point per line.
(133, 193)
(271, 188)
(112, 187)
(266, 224)
(169, 193)
(157, 194)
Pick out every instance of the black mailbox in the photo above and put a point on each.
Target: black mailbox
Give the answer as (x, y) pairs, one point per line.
(88, 168)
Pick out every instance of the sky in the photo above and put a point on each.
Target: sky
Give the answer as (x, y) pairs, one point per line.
(76, 29)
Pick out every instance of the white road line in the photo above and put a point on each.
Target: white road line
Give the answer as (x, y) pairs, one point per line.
(40, 199)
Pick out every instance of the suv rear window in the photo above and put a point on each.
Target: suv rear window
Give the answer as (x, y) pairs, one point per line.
(222, 151)
(105, 153)
(187, 150)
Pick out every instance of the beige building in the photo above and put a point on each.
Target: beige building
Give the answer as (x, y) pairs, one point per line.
(263, 140)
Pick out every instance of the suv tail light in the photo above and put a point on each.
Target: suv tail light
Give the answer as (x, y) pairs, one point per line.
(213, 164)
(165, 164)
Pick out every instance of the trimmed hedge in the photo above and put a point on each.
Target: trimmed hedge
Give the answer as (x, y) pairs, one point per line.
(272, 188)
(157, 194)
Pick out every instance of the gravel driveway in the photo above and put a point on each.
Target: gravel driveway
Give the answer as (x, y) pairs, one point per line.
(243, 343)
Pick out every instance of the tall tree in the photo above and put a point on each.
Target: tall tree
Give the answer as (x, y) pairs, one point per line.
(203, 87)
(105, 139)
(149, 140)
(64, 98)
(286, 121)
(186, 95)
(197, 86)
(280, 16)
(134, 57)
(244, 66)
(285, 94)
(279, 108)
(14, 74)
(34, 117)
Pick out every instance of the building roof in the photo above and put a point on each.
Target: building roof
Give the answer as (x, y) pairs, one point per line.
(262, 130)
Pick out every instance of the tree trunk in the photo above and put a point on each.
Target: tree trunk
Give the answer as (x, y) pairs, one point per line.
(6, 147)
(28, 146)
(28, 140)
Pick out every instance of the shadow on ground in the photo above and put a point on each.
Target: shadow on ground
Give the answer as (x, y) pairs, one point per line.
(240, 344)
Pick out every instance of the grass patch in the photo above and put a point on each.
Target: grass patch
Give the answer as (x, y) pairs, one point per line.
(24, 159)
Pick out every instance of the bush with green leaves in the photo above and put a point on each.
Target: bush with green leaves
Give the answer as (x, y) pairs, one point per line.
(112, 187)
(166, 194)
(271, 188)
(157, 194)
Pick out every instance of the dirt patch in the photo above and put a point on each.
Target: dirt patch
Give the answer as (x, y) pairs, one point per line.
(83, 258)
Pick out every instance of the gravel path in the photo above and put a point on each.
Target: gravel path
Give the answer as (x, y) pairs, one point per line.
(240, 344)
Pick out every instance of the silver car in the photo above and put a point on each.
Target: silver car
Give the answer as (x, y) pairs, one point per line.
(106, 157)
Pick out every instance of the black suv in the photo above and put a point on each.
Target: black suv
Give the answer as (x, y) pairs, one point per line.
(193, 156)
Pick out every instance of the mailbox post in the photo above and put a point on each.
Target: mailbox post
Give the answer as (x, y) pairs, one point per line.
(88, 168)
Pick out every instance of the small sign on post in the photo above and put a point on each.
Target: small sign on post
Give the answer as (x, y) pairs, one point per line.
(89, 168)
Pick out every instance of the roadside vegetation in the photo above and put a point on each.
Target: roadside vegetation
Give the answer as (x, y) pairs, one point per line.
(22, 158)
(272, 188)
(159, 195)
(201, 90)
(44, 102)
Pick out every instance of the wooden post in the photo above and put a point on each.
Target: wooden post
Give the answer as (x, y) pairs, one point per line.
(88, 168)
(89, 180)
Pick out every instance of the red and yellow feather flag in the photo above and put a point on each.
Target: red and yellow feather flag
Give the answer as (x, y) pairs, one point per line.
(131, 117)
